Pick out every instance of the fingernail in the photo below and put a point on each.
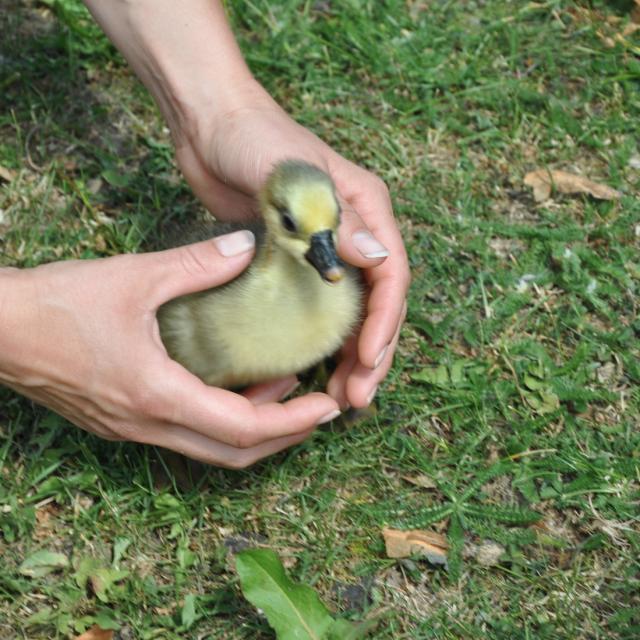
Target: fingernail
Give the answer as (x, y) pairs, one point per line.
(368, 246)
(290, 390)
(330, 416)
(380, 357)
(372, 395)
(235, 243)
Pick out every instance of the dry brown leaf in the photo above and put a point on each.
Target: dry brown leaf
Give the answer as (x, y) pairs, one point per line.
(631, 28)
(421, 480)
(402, 544)
(96, 633)
(542, 181)
(7, 174)
(607, 41)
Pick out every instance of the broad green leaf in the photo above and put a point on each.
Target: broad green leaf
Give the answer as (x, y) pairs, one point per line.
(550, 401)
(103, 580)
(46, 614)
(457, 372)
(534, 383)
(543, 401)
(86, 567)
(115, 178)
(344, 630)
(537, 369)
(105, 619)
(91, 570)
(438, 376)
(294, 611)
(188, 613)
(186, 558)
(120, 547)
(43, 562)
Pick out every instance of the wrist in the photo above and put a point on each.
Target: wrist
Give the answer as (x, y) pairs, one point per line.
(14, 283)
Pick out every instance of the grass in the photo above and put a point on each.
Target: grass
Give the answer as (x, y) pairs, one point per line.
(521, 343)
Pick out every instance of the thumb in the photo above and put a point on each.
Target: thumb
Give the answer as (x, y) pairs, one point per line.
(199, 266)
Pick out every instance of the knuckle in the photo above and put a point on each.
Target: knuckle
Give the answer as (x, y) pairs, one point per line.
(191, 261)
(379, 185)
(144, 400)
(246, 437)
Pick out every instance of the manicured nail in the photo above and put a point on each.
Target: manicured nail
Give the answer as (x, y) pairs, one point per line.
(380, 357)
(368, 246)
(235, 243)
(290, 390)
(330, 416)
(372, 395)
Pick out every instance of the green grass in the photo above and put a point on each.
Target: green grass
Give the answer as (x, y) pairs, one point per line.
(521, 343)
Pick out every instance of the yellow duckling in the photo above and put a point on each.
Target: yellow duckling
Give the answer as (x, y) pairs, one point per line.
(294, 305)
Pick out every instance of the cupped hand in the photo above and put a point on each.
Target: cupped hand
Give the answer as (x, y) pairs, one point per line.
(226, 160)
(81, 337)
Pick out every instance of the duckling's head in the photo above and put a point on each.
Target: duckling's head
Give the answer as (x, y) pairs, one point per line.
(302, 214)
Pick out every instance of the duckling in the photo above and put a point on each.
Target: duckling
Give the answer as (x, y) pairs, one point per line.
(291, 308)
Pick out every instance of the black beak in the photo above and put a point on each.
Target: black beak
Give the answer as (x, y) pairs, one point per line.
(322, 255)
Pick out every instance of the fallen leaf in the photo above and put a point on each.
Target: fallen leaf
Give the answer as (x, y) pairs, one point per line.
(96, 633)
(43, 562)
(421, 480)
(293, 610)
(631, 28)
(544, 180)
(7, 174)
(402, 544)
(103, 579)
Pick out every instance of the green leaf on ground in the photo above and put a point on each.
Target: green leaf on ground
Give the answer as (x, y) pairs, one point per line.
(188, 613)
(43, 562)
(294, 611)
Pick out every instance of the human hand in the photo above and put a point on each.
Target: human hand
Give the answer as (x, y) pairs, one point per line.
(229, 133)
(81, 337)
(227, 161)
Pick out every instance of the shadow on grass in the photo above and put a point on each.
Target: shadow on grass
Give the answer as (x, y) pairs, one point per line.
(60, 121)
(72, 110)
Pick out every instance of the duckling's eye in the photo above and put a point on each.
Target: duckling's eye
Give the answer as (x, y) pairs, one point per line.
(287, 221)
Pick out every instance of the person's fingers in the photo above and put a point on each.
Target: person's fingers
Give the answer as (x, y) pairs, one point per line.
(362, 383)
(384, 310)
(181, 398)
(271, 391)
(199, 447)
(194, 267)
(336, 387)
(356, 244)
(368, 224)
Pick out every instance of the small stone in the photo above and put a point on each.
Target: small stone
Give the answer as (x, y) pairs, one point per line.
(606, 373)
(489, 554)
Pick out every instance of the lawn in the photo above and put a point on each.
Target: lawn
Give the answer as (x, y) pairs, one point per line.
(520, 354)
